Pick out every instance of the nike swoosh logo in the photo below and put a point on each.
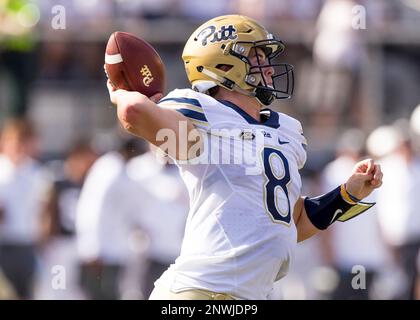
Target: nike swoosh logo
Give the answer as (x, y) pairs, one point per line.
(337, 212)
(283, 142)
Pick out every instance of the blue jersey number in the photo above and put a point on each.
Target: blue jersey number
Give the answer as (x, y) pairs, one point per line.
(273, 184)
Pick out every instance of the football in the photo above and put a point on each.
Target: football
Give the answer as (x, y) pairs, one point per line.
(133, 64)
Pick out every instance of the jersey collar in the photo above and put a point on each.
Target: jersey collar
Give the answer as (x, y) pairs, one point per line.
(269, 117)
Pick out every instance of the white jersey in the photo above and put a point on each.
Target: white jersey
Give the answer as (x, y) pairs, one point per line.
(240, 234)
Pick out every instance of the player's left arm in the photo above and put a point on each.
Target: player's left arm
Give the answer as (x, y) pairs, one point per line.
(343, 203)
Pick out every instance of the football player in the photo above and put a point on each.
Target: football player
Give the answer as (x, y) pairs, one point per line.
(242, 228)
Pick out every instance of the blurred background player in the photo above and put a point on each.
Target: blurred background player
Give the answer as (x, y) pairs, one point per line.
(397, 202)
(23, 188)
(108, 212)
(358, 242)
(336, 71)
(59, 223)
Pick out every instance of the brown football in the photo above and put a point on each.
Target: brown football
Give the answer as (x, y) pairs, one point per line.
(133, 64)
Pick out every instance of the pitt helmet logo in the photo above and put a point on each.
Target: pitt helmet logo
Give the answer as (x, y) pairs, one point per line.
(211, 34)
(147, 75)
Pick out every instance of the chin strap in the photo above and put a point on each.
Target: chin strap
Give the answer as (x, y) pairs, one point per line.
(266, 97)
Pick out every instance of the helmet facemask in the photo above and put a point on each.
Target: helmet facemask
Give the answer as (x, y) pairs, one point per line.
(282, 77)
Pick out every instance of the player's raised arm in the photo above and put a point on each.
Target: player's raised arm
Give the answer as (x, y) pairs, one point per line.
(343, 203)
(142, 117)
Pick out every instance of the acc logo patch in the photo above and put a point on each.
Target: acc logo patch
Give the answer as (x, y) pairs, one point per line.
(247, 135)
(211, 34)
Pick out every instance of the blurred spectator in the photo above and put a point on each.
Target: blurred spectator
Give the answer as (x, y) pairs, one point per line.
(165, 223)
(17, 49)
(332, 87)
(23, 185)
(358, 242)
(58, 236)
(64, 194)
(337, 44)
(397, 199)
(107, 214)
